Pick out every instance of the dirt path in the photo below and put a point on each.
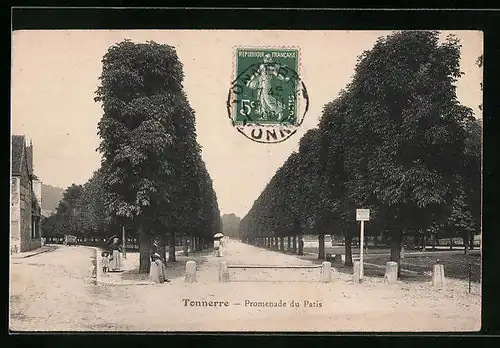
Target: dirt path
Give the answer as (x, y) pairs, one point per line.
(48, 295)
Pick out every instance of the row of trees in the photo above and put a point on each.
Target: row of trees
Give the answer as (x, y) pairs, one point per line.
(230, 225)
(152, 177)
(396, 141)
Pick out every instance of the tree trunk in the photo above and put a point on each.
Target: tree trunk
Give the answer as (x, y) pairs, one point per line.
(144, 247)
(301, 245)
(451, 243)
(124, 241)
(185, 251)
(171, 247)
(162, 250)
(348, 251)
(282, 244)
(471, 242)
(289, 243)
(294, 244)
(396, 243)
(321, 247)
(424, 241)
(466, 243)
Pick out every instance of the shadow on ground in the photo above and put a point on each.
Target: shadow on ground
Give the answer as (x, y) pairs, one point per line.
(418, 268)
(174, 269)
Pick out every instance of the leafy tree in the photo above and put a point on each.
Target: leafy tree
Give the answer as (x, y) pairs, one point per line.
(93, 217)
(64, 221)
(479, 63)
(335, 155)
(147, 133)
(410, 129)
(465, 217)
(396, 141)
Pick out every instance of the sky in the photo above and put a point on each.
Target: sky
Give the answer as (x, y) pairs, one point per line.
(55, 76)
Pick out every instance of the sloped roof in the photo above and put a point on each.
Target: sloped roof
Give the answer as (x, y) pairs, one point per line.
(18, 146)
(29, 158)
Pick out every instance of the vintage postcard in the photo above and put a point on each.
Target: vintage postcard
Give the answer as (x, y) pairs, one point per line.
(246, 181)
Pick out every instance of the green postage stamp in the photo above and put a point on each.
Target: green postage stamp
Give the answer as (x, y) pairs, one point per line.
(267, 100)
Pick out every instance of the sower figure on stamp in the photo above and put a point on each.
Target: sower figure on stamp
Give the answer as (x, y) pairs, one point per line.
(158, 268)
(269, 105)
(115, 249)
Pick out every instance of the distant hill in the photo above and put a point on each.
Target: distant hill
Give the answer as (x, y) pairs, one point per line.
(50, 198)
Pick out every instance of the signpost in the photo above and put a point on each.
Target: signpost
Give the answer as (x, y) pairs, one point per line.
(362, 215)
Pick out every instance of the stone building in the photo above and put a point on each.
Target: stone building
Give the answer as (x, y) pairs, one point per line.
(26, 198)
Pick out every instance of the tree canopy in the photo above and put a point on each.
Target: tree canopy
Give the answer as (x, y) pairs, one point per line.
(152, 175)
(396, 140)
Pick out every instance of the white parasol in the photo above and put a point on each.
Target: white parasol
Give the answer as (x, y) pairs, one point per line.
(218, 235)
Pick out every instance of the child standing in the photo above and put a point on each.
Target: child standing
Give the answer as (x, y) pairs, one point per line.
(105, 261)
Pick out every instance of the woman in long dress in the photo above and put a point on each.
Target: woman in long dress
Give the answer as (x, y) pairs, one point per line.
(116, 261)
(158, 268)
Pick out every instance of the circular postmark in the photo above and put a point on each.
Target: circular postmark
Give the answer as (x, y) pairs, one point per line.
(267, 101)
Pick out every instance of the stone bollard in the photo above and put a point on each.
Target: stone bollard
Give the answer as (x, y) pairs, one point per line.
(438, 276)
(223, 272)
(190, 272)
(357, 272)
(327, 272)
(391, 272)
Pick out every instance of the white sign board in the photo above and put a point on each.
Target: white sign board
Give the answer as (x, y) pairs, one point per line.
(362, 214)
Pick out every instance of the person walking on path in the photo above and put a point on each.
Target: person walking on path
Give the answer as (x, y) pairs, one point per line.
(158, 268)
(217, 247)
(116, 260)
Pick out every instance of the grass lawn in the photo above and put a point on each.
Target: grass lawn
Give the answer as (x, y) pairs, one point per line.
(421, 266)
